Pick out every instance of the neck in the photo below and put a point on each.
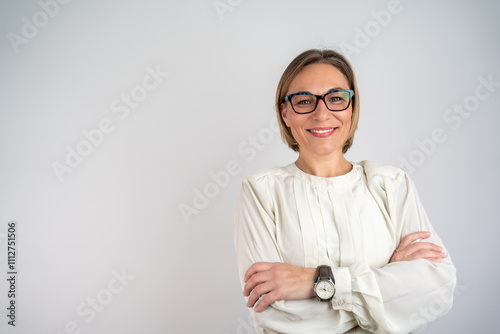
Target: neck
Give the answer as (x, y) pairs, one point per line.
(324, 166)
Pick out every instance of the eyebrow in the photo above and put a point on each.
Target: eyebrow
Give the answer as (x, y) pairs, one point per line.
(329, 90)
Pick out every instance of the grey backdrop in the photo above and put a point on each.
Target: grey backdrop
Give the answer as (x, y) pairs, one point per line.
(127, 127)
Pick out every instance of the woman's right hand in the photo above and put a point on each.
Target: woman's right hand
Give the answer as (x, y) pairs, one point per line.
(409, 250)
(277, 281)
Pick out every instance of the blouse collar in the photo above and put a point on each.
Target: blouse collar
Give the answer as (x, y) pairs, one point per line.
(338, 181)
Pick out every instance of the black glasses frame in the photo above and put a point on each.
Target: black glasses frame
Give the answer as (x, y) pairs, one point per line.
(319, 97)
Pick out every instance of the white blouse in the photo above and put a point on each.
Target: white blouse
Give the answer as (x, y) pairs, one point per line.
(353, 223)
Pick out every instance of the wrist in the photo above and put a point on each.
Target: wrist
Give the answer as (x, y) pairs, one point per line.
(310, 275)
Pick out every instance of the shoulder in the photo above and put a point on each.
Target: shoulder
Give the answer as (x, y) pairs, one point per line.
(382, 176)
(267, 175)
(261, 188)
(266, 183)
(377, 170)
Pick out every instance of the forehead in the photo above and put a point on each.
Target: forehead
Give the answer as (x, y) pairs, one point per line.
(317, 79)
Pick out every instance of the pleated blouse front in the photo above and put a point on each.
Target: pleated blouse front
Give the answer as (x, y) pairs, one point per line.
(338, 218)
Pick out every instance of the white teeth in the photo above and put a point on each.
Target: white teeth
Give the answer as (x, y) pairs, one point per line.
(321, 131)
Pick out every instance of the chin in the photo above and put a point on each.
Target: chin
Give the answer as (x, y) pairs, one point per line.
(324, 151)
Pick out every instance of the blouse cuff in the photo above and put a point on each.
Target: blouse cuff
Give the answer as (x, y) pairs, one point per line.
(342, 300)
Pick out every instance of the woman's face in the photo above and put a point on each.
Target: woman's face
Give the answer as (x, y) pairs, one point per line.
(322, 132)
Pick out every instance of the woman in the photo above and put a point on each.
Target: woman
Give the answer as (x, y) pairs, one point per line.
(325, 245)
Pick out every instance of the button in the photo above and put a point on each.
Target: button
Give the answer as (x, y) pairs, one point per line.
(340, 302)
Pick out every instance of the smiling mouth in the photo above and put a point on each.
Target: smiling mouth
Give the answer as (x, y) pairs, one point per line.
(321, 131)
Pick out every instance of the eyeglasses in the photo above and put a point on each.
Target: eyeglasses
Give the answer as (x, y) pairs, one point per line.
(335, 100)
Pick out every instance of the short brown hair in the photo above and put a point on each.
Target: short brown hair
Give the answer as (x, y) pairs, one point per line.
(309, 57)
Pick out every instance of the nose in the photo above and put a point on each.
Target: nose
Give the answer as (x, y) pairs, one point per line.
(322, 113)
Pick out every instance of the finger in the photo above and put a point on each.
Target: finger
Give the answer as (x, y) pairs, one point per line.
(412, 237)
(256, 279)
(416, 246)
(426, 254)
(430, 255)
(255, 268)
(267, 300)
(259, 291)
(250, 271)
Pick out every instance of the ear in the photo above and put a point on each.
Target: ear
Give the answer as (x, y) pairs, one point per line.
(284, 114)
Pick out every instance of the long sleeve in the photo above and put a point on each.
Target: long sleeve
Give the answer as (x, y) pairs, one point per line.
(280, 218)
(254, 229)
(403, 296)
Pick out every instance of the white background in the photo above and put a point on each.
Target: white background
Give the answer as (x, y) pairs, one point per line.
(118, 209)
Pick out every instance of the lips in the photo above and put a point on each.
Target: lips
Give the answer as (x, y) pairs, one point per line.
(322, 132)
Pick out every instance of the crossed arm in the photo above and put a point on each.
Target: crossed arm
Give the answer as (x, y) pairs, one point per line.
(280, 281)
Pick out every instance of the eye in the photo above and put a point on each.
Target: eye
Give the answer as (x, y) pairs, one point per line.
(337, 97)
(303, 100)
(334, 99)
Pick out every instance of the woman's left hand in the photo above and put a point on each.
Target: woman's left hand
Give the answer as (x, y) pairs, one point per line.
(277, 281)
(409, 250)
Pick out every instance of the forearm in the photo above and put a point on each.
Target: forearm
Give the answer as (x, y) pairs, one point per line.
(389, 299)
(275, 282)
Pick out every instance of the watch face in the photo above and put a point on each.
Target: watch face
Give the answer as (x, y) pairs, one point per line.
(325, 289)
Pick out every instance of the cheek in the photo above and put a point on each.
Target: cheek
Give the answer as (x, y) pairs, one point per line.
(296, 124)
(348, 119)
(290, 119)
(284, 116)
(348, 122)
(348, 125)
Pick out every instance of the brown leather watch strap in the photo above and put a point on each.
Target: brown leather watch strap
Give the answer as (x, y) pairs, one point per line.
(324, 272)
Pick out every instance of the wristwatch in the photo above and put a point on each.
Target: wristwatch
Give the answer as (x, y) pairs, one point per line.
(324, 284)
